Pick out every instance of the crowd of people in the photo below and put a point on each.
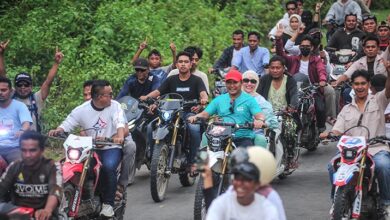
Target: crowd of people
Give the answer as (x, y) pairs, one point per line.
(259, 80)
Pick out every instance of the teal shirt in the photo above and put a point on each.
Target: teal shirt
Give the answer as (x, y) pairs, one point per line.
(245, 108)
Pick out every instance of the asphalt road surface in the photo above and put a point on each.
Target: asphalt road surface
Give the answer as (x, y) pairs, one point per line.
(305, 193)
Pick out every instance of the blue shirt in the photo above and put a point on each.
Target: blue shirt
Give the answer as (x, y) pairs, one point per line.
(11, 119)
(135, 89)
(245, 108)
(245, 60)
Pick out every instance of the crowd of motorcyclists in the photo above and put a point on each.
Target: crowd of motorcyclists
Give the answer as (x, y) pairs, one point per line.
(345, 83)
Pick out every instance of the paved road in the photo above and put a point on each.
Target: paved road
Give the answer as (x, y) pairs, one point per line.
(305, 193)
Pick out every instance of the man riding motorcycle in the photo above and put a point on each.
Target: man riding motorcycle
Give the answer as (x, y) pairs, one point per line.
(235, 106)
(107, 118)
(33, 182)
(368, 110)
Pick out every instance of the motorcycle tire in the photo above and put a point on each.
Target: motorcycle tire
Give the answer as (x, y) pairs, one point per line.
(199, 203)
(186, 179)
(68, 193)
(158, 178)
(313, 143)
(343, 202)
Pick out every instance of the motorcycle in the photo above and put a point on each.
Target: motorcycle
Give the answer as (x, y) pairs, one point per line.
(219, 83)
(356, 187)
(171, 145)
(284, 144)
(219, 146)
(308, 136)
(138, 119)
(81, 172)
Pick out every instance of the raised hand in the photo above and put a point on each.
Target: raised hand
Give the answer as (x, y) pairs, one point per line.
(318, 6)
(58, 56)
(172, 46)
(143, 45)
(3, 46)
(279, 30)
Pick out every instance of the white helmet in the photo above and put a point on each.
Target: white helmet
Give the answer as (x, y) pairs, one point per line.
(261, 158)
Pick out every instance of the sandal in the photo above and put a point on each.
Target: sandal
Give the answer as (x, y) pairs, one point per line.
(119, 193)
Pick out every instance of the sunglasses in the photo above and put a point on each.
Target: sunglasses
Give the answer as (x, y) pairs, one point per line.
(253, 81)
(23, 85)
(231, 108)
(360, 84)
(291, 9)
(140, 70)
(33, 150)
(383, 30)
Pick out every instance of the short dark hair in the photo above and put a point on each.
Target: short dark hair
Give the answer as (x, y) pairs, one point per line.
(97, 86)
(362, 73)
(350, 14)
(6, 80)
(88, 83)
(291, 3)
(371, 37)
(192, 50)
(378, 81)
(154, 52)
(301, 1)
(33, 135)
(308, 38)
(183, 53)
(257, 34)
(277, 58)
(238, 32)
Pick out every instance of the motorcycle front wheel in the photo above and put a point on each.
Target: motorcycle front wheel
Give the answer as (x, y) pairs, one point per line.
(158, 178)
(199, 204)
(343, 202)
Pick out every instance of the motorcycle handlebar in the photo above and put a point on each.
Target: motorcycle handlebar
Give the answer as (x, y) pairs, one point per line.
(234, 125)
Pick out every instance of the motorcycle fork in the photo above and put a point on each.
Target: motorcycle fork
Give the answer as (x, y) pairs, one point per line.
(79, 189)
(224, 165)
(173, 142)
(359, 188)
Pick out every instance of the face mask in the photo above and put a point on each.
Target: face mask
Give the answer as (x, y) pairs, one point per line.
(305, 51)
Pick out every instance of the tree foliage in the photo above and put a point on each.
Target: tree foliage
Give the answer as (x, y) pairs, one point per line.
(99, 38)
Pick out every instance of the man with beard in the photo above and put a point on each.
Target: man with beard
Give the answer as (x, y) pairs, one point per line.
(23, 88)
(33, 182)
(14, 120)
(190, 87)
(196, 55)
(384, 35)
(227, 56)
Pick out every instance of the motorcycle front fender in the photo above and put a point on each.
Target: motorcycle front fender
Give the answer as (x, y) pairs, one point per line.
(344, 174)
(69, 169)
(161, 132)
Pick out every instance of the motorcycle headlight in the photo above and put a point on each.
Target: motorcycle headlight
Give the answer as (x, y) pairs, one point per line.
(166, 115)
(349, 154)
(74, 154)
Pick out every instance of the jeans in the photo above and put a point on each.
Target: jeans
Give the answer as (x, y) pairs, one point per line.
(195, 137)
(243, 142)
(382, 173)
(128, 164)
(110, 159)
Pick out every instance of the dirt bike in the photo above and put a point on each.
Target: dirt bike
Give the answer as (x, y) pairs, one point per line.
(356, 187)
(171, 148)
(219, 146)
(219, 83)
(81, 172)
(138, 119)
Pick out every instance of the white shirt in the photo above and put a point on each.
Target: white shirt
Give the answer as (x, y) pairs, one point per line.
(226, 207)
(106, 121)
(235, 52)
(304, 67)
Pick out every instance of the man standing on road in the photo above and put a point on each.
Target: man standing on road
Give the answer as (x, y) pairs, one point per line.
(23, 88)
(252, 57)
(225, 60)
(14, 120)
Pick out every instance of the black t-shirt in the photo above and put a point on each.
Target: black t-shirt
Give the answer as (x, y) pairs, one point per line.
(138, 89)
(370, 68)
(189, 89)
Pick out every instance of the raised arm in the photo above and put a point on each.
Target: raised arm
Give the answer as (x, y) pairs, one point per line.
(3, 47)
(45, 88)
(173, 51)
(141, 48)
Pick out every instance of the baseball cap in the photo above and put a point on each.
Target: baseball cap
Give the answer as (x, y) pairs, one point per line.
(141, 63)
(234, 75)
(23, 77)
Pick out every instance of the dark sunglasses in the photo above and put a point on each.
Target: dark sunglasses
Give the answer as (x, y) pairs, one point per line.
(291, 9)
(33, 150)
(231, 108)
(23, 85)
(253, 81)
(140, 70)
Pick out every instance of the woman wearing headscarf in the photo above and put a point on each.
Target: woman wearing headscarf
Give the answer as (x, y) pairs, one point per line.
(294, 29)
